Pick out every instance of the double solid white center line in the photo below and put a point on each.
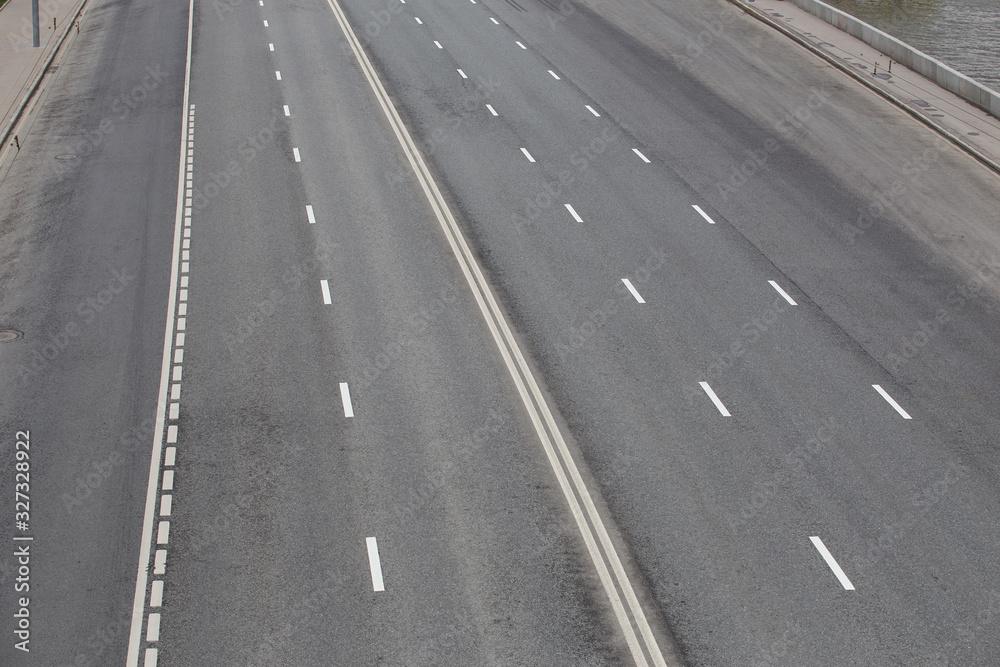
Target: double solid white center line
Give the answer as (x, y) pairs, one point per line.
(831, 561)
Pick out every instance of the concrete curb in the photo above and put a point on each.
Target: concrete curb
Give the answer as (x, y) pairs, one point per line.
(959, 141)
(948, 78)
(19, 111)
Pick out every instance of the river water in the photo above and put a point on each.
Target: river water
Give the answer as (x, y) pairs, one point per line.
(963, 34)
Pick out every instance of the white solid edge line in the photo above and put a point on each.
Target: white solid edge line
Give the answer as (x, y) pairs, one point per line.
(639, 153)
(325, 286)
(703, 214)
(828, 557)
(310, 214)
(152, 484)
(635, 293)
(345, 398)
(527, 154)
(591, 110)
(374, 564)
(892, 401)
(600, 547)
(572, 212)
(715, 399)
(782, 292)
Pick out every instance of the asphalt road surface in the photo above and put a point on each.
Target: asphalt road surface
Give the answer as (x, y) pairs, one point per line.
(745, 412)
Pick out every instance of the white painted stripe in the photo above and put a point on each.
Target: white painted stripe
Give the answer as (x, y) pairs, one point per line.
(554, 75)
(180, 336)
(527, 154)
(160, 561)
(178, 370)
(184, 281)
(271, 46)
(572, 212)
(310, 214)
(635, 293)
(171, 435)
(265, 23)
(464, 75)
(639, 153)
(635, 628)
(183, 295)
(438, 44)
(521, 45)
(715, 399)
(345, 398)
(494, 20)
(150, 659)
(418, 20)
(175, 410)
(295, 152)
(156, 594)
(179, 352)
(175, 389)
(153, 628)
(828, 557)
(892, 401)
(591, 110)
(277, 73)
(166, 504)
(163, 532)
(168, 480)
(170, 456)
(782, 292)
(325, 286)
(492, 110)
(287, 112)
(703, 214)
(375, 564)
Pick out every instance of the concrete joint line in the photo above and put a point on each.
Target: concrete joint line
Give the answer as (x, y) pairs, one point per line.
(628, 611)
(857, 76)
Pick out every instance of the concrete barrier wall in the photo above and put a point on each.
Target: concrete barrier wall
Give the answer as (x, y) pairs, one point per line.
(944, 76)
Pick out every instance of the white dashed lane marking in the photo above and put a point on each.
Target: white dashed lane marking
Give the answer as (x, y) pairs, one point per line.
(828, 557)
(345, 398)
(715, 399)
(527, 154)
(639, 153)
(572, 212)
(464, 75)
(698, 208)
(782, 292)
(633, 290)
(492, 110)
(591, 110)
(310, 214)
(891, 401)
(325, 286)
(375, 564)
(554, 75)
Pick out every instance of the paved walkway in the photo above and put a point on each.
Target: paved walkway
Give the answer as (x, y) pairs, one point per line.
(19, 61)
(958, 118)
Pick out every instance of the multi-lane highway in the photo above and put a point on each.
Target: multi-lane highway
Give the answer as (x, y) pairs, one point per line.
(493, 332)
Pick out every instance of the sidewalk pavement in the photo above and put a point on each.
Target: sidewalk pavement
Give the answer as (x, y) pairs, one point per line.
(20, 62)
(972, 128)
